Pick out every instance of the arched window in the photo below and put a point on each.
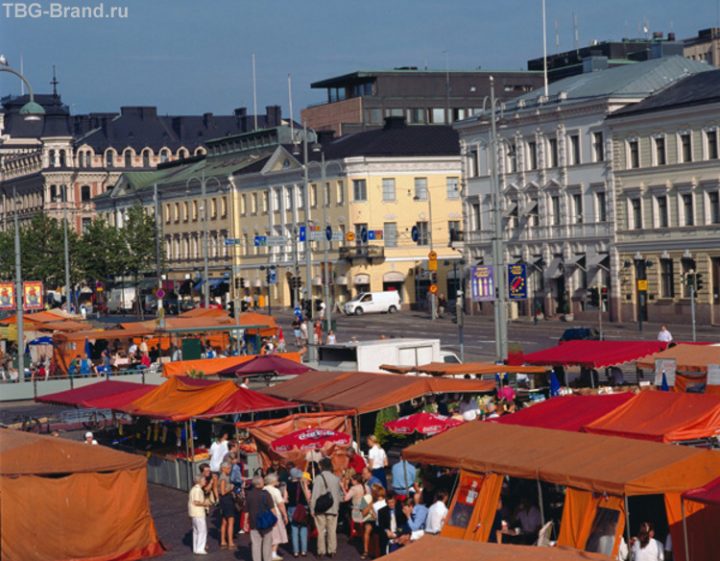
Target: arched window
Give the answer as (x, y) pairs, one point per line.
(53, 193)
(199, 151)
(146, 158)
(186, 211)
(63, 159)
(186, 248)
(167, 213)
(164, 155)
(213, 208)
(128, 158)
(168, 248)
(109, 159)
(51, 158)
(195, 252)
(85, 193)
(81, 159)
(182, 153)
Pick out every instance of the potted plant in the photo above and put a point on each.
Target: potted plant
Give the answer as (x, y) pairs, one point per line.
(566, 311)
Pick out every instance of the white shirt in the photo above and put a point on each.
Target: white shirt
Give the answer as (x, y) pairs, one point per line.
(665, 336)
(436, 517)
(217, 453)
(653, 551)
(377, 457)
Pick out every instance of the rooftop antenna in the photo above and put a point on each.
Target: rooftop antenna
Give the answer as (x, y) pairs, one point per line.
(576, 32)
(54, 82)
(544, 30)
(254, 83)
(22, 71)
(557, 36)
(447, 87)
(290, 103)
(646, 28)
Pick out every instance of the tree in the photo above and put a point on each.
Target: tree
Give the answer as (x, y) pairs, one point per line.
(101, 252)
(43, 251)
(139, 237)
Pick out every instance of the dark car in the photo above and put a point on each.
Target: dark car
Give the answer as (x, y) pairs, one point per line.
(579, 334)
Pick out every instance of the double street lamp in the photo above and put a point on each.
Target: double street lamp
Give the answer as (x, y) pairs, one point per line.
(31, 111)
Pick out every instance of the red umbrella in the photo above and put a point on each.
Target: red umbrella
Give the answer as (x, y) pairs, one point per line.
(423, 423)
(310, 438)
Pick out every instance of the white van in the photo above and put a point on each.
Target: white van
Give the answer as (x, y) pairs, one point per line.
(373, 302)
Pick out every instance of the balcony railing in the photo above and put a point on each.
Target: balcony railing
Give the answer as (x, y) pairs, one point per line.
(362, 252)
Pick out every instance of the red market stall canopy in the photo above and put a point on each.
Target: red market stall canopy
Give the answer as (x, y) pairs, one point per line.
(708, 494)
(366, 392)
(52, 489)
(596, 463)
(216, 366)
(310, 438)
(247, 401)
(274, 364)
(109, 394)
(436, 547)
(688, 357)
(569, 413)
(593, 354)
(422, 423)
(451, 369)
(663, 417)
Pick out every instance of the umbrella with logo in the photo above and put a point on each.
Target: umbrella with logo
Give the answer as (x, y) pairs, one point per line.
(309, 439)
(424, 423)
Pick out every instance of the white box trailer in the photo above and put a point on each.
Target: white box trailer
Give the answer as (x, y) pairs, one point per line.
(121, 300)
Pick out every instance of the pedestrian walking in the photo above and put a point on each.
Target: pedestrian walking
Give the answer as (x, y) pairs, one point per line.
(377, 460)
(325, 504)
(227, 506)
(197, 510)
(664, 335)
(298, 511)
(279, 533)
(442, 305)
(259, 506)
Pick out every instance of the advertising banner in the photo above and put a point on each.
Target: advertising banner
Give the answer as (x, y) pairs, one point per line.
(517, 282)
(7, 295)
(482, 283)
(33, 295)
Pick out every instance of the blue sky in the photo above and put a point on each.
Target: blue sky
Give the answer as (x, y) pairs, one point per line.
(189, 57)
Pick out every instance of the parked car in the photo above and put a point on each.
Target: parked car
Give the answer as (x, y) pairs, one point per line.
(579, 334)
(373, 302)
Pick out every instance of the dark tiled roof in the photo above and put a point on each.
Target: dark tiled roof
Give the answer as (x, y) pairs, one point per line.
(56, 121)
(697, 89)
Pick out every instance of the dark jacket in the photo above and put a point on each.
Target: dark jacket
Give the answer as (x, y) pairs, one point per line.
(383, 524)
(257, 501)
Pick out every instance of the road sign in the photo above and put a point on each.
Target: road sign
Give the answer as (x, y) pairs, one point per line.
(232, 241)
(432, 261)
(482, 283)
(433, 288)
(272, 276)
(517, 282)
(363, 235)
(316, 235)
(328, 233)
(160, 293)
(275, 241)
(642, 284)
(301, 233)
(338, 237)
(260, 241)
(350, 236)
(415, 234)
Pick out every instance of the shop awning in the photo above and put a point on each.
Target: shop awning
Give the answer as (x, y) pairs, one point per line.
(584, 461)
(247, 401)
(204, 312)
(109, 394)
(454, 369)
(366, 391)
(688, 357)
(663, 417)
(272, 364)
(708, 494)
(569, 413)
(593, 354)
(216, 366)
(436, 547)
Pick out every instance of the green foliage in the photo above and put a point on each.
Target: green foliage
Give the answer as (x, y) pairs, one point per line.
(381, 433)
(139, 236)
(101, 252)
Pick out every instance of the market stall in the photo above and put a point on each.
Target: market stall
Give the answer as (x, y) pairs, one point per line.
(64, 500)
(688, 367)
(107, 394)
(225, 366)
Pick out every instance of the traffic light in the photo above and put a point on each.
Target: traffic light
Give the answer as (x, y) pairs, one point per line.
(594, 296)
(698, 282)
(690, 279)
(604, 296)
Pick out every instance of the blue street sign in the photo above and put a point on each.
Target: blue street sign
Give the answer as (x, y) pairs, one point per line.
(272, 276)
(328, 233)
(415, 234)
(517, 282)
(371, 235)
(301, 234)
(364, 235)
(260, 241)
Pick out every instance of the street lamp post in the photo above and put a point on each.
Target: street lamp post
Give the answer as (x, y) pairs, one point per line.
(66, 248)
(308, 254)
(433, 297)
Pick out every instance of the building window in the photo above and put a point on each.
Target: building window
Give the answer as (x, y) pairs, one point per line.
(575, 149)
(340, 192)
(633, 154)
(660, 159)
(454, 230)
(254, 204)
(146, 159)
(555, 206)
(661, 202)
(223, 206)
(390, 234)
(186, 211)
(712, 143)
(598, 147)
(313, 195)
(51, 158)
(164, 155)
(418, 115)
(512, 158)
(86, 222)
(552, 153)
(601, 205)
(388, 186)
(85, 193)
(636, 209)
(194, 210)
(532, 154)
(437, 115)
(327, 195)
(714, 207)
(421, 189)
(688, 210)
(167, 214)
(128, 158)
(423, 233)
(534, 213)
(476, 216)
(359, 190)
(512, 213)
(577, 208)
(473, 163)
(109, 159)
(374, 116)
(685, 147)
(176, 214)
(452, 186)
(667, 286)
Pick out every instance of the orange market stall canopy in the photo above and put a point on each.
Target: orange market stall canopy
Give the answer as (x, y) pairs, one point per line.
(450, 369)
(687, 357)
(216, 366)
(254, 323)
(436, 547)
(65, 500)
(366, 392)
(593, 354)
(663, 417)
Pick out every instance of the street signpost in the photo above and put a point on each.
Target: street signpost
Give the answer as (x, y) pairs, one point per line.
(432, 261)
(482, 283)
(433, 289)
(328, 233)
(350, 237)
(232, 241)
(517, 282)
(275, 241)
(260, 241)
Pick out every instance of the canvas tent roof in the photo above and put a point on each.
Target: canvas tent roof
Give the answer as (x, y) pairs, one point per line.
(570, 412)
(211, 366)
(663, 417)
(245, 400)
(584, 461)
(366, 391)
(436, 547)
(688, 357)
(108, 394)
(271, 363)
(450, 369)
(593, 354)
(708, 494)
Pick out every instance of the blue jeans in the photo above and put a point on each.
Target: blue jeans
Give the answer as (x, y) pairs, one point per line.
(298, 534)
(380, 474)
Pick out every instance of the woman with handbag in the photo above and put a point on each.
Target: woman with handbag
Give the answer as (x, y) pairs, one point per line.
(279, 533)
(298, 497)
(227, 507)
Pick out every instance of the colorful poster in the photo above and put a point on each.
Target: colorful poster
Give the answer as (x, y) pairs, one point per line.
(482, 283)
(7, 296)
(517, 282)
(465, 499)
(33, 295)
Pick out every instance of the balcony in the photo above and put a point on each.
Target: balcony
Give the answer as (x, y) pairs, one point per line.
(371, 253)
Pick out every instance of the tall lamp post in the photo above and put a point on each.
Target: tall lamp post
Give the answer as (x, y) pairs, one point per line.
(31, 111)
(433, 297)
(66, 248)
(308, 254)
(203, 195)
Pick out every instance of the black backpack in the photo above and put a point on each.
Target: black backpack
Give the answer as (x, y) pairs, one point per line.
(325, 501)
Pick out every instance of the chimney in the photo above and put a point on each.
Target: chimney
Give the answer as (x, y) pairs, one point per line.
(241, 118)
(273, 116)
(178, 125)
(671, 36)
(394, 123)
(325, 136)
(594, 63)
(207, 120)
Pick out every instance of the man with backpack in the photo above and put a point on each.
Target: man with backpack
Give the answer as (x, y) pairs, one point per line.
(324, 505)
(261, 519)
